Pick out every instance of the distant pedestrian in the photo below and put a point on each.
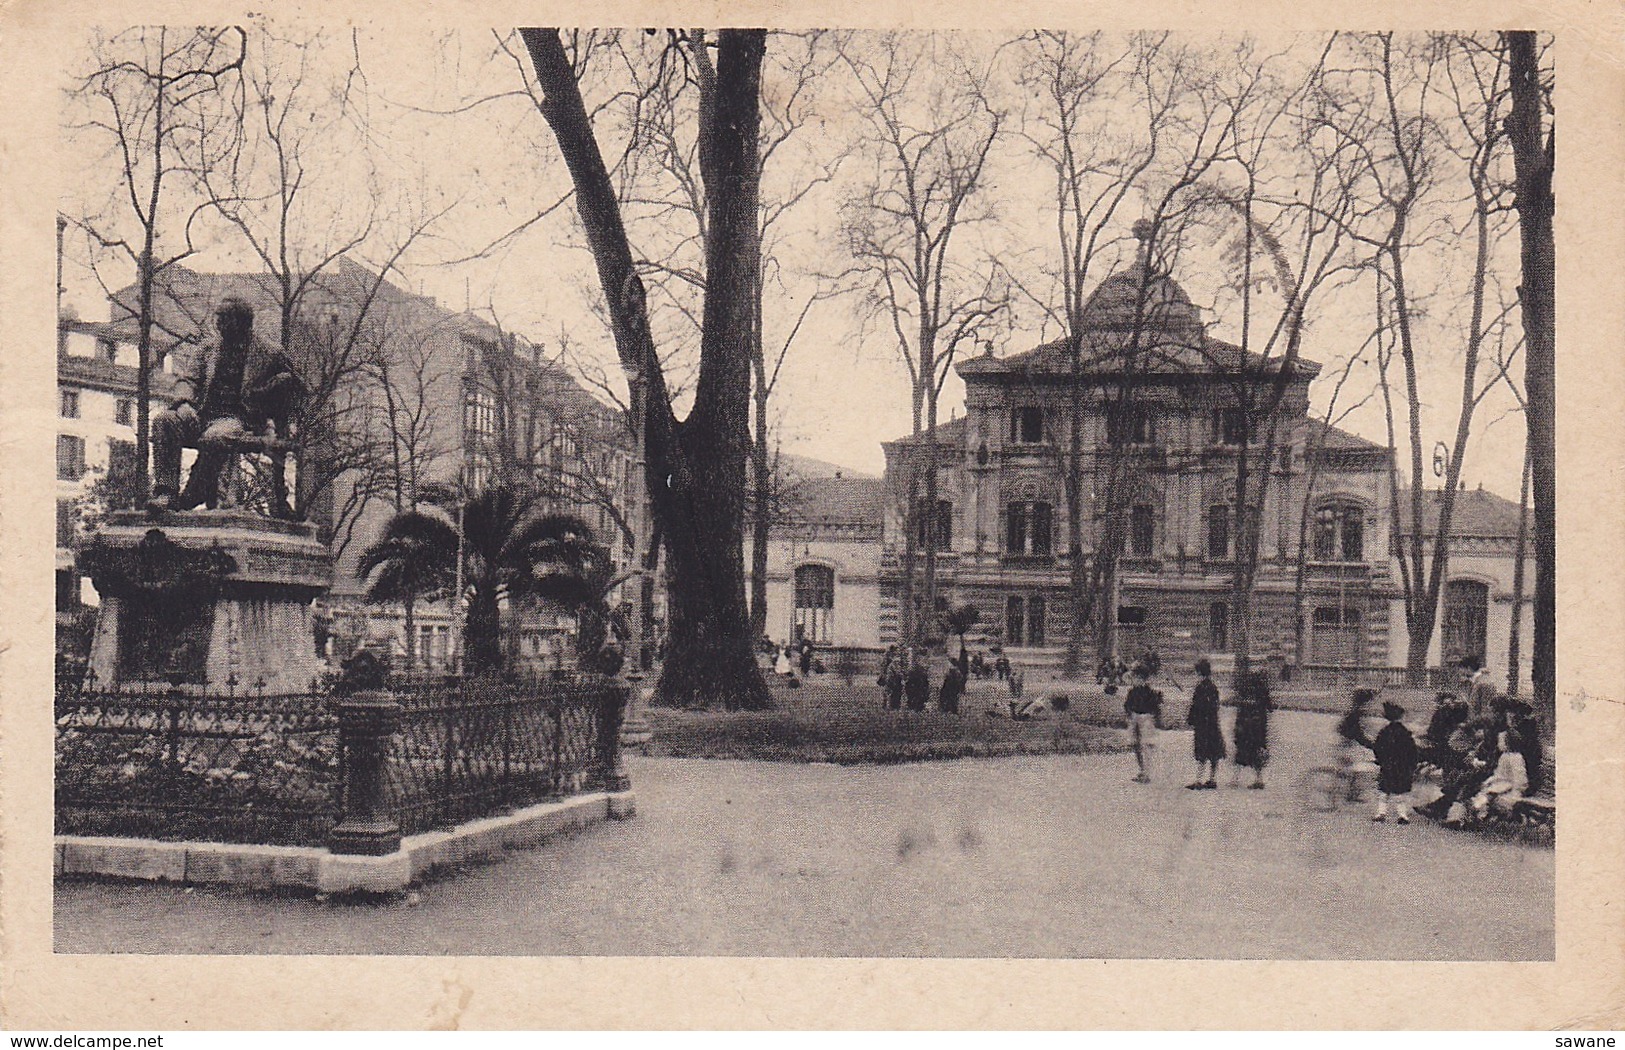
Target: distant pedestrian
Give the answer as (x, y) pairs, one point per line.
(1208, 741)
(1001, 667)
(781, 666)
(1017, 682)
(1395, 749)
(1252, 732)
(806, 660)
(953, 684)
(1143, 706)
(917, 685)
(894, 685)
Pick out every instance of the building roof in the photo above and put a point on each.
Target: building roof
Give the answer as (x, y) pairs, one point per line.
(949, 433)
(1144, 313)
(839, 500)
(1326, 436)
(1478, 513)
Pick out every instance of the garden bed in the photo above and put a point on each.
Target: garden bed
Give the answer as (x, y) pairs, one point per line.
(828, 721)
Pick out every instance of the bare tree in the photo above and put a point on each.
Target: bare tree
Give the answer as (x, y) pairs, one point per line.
(696, 466)
(1427, 115)
(1531, 128)
(929, 131)
(154, 97)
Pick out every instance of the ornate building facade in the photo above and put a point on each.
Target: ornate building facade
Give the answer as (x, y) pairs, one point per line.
(1163, 422)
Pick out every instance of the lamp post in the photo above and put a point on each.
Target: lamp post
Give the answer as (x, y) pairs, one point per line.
(635, 729)
(457, 618)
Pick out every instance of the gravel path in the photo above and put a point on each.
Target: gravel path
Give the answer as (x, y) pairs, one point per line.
(1054, 856)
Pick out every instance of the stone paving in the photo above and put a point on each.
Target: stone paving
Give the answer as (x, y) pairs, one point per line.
(1054, 856)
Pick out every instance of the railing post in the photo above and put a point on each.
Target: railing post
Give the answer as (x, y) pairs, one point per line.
(367, 825)
(611, 710)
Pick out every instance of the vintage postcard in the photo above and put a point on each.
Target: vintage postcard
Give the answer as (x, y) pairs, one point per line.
(1069, 517)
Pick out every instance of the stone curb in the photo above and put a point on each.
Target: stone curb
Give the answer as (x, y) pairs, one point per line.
(313, 868)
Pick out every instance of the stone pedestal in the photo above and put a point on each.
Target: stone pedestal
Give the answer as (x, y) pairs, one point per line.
(217, 599)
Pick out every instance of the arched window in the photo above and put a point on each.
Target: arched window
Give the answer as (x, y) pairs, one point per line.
(1340, 533)
(1027, 527)
(1024, 619)
(815, 602)
(1466, 615)
(1142, 530)
(944, 519)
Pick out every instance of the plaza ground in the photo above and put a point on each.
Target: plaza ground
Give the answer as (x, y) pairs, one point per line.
(1033, 856)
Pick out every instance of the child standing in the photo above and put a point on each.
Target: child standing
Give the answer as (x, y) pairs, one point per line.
(1144, 710)
(1395, 749)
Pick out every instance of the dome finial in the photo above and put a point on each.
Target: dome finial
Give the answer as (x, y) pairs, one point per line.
(1142, 230)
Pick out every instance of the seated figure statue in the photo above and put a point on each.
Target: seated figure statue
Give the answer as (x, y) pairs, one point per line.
(240, 388)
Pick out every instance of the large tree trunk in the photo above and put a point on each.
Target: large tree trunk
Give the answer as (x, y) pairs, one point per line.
(695, 469)
(1532, 159)
(1520, 553)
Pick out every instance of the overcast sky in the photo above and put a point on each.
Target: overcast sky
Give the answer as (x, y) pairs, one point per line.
(843, 389)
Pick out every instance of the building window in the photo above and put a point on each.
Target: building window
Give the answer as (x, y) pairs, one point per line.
(1218, 627)
(479, 415)
(67, 522)
(1466, 615)
(69, 407)
(70, 457)
(1338, 639)
(815, 602)
(1130, 425)
(944, 538)
(1027, 425)
(1024, 619)
(1230, 426)
(124, 412)
(109, 350)
(1339, 533)
(1142, 531)
(1131, 616)
(1218, 531)
(1027, 528)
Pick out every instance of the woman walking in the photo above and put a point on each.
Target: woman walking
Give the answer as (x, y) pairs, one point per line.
(1252, 727)
(1204, 719)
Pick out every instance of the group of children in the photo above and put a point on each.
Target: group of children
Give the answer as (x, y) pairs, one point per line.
(1483, 763)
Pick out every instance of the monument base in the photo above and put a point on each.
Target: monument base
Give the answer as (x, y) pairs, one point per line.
(217, 599)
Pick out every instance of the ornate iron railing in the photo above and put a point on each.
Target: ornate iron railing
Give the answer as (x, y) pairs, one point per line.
(353, 772)
(468, 749)
(172, 763)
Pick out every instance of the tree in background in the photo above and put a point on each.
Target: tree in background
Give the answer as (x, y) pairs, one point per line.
(928, 132)
(414, 558)
(156, 97)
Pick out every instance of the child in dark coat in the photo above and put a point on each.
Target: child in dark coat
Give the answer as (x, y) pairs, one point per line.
(1395, 749)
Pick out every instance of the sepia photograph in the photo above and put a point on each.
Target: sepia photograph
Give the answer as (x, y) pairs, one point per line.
(807, 494)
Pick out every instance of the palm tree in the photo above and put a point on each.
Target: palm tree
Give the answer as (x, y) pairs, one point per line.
(514, 550)
(415, 556)
(576, 573)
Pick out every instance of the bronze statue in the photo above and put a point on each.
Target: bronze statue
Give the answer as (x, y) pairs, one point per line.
(242, 396)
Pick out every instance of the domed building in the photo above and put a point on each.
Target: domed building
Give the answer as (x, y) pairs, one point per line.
(1164, 415)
